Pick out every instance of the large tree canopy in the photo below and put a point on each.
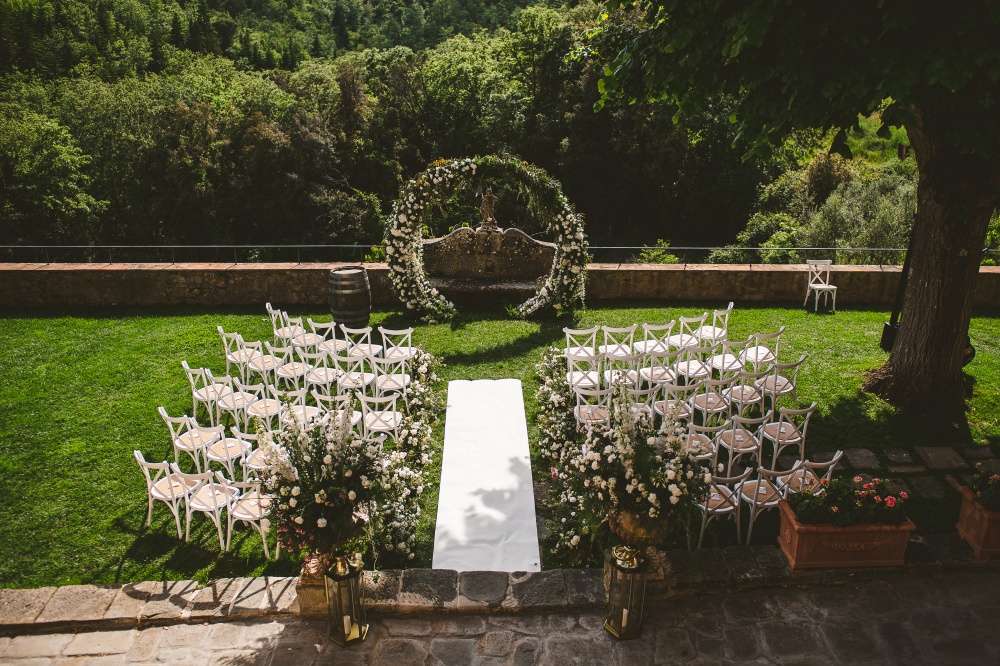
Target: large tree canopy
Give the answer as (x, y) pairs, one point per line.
(933, 68)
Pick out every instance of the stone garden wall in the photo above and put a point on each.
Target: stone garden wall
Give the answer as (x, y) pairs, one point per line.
(288, 285)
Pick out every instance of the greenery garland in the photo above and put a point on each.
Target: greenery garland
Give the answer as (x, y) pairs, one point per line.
(564, 288)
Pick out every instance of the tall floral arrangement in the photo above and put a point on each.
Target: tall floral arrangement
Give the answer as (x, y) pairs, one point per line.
(636, 478)
(337, 491)
(564, 287)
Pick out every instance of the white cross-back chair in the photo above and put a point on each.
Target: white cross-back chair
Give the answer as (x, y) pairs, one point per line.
(702, 440)
(581, 342)
(235, 401)
(283, 328)
(807, 476)
(262, 364)
(380, 416)
(342, 404)
(709, 400)
(675, 400)
(618, 342)
(397, 344)
(361, 341)
(657, 369)
(265, 408)
(249, 505)
(253, 462)
(237, 352)
(181, 437)
(391, 376)
(690, 365)
(294, 405)
(762, 350)
(744, 395)
(762, 494)
(729, 357)
(227, 451)
(355, 373)
(584, 371)
(208, 496)
(782, 381)
(742, 438)
(204, 437)
(164, 486)
(689, 334)
(789, 430)
(204, 389)
(593, 406)
(291, 371)
(819, 283)
(307, 339)
(641, 400)
(723, 499)
(322, 375)
(655, 343)
(718, 330)
(330, 342)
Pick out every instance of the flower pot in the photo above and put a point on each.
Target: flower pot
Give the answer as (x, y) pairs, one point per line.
(979, 526)
(814, 546)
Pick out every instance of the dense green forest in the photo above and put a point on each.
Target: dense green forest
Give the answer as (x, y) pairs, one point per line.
(295, 121)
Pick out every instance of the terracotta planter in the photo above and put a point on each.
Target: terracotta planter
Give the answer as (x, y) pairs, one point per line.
(814, 546)
(979, 526)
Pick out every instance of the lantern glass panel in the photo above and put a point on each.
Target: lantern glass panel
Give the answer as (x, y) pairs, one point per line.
(626, 592)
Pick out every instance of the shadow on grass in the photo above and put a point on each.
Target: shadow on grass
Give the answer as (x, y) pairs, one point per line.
(864, 421)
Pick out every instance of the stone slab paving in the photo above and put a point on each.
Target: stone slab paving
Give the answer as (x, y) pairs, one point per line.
(948, 618)
(940, 457)
(862, 459)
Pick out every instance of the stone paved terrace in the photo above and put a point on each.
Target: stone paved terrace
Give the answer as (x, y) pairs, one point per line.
(952, 617)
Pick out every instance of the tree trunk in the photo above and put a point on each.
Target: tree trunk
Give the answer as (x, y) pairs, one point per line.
(956, 194)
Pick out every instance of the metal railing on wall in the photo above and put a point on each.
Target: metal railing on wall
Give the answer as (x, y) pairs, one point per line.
(304, 254)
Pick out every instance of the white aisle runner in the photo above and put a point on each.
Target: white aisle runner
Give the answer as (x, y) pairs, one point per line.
(486, 507)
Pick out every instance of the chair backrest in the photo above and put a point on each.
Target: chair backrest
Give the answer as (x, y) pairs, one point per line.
(196, 482)
(256, 390)
(178, 425)
(250, 438)
(730, 500)
(198, 377)
(655, 337)
(619, 341)
(769, 340)
(821, 470)
(396, 342)
(578, 365)
(283, 354)
(204, 436)
(712, 433)
(385, 366)
(353, 363)
(797, 417)
(279, 318)
(782, 369)
(313, 360)
(357, 336)
(720, 318)
(691, 326)
(644, 396)
(158, 469)
(582, 341)
(231, 342)
(327, 329)
(599, 397)
(770, 475)
(295, 397)
(754, 426)
(819, 271)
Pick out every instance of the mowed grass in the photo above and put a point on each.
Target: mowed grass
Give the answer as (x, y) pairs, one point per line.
(80, 392)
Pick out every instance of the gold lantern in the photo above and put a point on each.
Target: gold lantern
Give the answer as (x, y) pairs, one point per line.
(345, 601)
(625, 573)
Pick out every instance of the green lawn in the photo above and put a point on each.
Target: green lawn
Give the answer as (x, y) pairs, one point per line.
(81, 392)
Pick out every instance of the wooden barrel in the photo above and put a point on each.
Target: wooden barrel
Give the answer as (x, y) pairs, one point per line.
(350, 296)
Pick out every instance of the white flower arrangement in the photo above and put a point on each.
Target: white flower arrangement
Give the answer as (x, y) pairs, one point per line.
(627, 467)
(565, 286)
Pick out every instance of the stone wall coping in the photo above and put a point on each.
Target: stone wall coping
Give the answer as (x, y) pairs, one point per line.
(434, 591)
(318, 266)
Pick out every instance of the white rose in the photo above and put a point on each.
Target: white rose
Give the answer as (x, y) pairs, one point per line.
(292, 502)
(575, 541)
(327, 459)
(321, 523)
(402, 217)
(298, 520)
(351, 495)
(295, 491)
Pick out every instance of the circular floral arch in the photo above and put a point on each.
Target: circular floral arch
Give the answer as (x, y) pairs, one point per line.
(564, 286)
